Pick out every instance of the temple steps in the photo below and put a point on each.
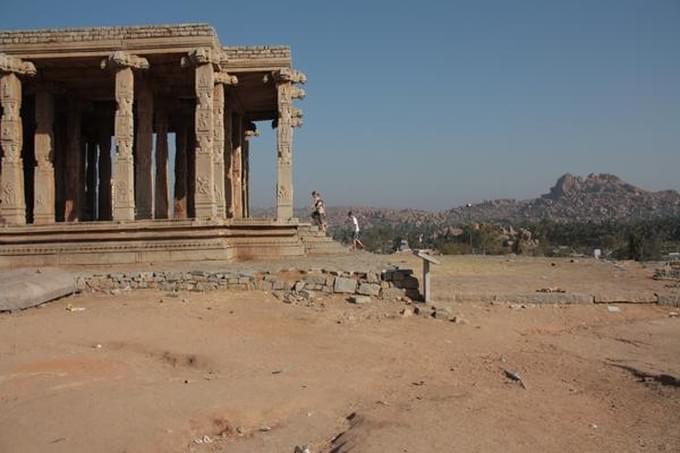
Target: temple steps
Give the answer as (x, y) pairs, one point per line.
(316, 243)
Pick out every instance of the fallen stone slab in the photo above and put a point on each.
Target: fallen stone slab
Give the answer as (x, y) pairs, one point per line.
(546, 298)
(626, 298)
(24, 288)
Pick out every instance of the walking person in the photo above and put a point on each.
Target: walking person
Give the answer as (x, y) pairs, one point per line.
(356, 243)
(319, 211)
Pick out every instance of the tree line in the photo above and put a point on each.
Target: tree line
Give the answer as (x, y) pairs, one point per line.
(641, 240)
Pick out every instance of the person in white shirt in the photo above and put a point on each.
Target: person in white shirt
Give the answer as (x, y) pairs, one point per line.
(356, 243)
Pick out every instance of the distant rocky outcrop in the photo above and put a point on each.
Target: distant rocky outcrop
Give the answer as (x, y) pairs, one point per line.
(594, 198)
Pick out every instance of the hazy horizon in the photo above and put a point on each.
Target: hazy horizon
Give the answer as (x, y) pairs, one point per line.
(366, 206)
(431, 105)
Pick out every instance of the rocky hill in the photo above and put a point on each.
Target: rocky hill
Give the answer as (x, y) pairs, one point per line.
(595, 198)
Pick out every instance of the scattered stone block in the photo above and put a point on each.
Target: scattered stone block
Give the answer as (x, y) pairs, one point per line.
(359, 300)
(391, 293)
(441, 313)
(280, 285)
(299, 286)
(315, 279)
(369, 289)
(345, 285)
(669, 299)
(423, 310)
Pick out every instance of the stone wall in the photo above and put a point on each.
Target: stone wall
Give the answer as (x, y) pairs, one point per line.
(104, 33)
(392, 283)
(256, 52)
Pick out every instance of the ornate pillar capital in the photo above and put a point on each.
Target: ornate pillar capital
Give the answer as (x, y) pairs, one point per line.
(201, 56)
(14, 65)
(120, 59)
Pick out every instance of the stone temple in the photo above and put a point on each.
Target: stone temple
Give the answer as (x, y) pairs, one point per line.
(87, 115)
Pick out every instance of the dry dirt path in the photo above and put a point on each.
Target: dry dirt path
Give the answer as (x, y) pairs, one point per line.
(144, 372)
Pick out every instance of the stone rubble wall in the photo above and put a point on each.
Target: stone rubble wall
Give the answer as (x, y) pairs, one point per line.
(391, 283)
(104, 33)
(256, 52)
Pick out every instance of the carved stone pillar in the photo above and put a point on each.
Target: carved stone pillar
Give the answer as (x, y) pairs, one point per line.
(245, 166)
(218, 150)
(12, 202)
(236, 166)
(43, 203)
(181, 188)
(104, 143)
(123, 184)
(228, 147)
(204, 196)
(221, 79)
(288, 118)
(161, 199)
(91, 179)
(73, 163)
(143, 150)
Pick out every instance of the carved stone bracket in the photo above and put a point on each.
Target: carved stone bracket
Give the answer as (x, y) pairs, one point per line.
(124, 60)
(289, 75)
(202, 55)
(16, 65)
(297, 93)
(225, 79)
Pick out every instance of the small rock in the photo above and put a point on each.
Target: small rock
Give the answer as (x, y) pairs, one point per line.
(458, 320)
(303, 449)
(423, 310)
(673, 314)
(406, 312)
(613, 309)
(265, 428)
(359, 300)
(441, 313)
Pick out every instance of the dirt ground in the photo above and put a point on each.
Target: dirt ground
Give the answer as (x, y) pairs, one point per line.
(232, 371)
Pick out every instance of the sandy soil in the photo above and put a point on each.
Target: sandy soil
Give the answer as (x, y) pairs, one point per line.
(146, 372)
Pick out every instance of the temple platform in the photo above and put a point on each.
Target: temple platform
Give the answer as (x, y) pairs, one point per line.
(158, 241)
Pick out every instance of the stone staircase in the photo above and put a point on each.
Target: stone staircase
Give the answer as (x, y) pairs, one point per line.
(317, 243)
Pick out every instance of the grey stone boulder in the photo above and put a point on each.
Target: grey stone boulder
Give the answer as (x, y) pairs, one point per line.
(24, 288)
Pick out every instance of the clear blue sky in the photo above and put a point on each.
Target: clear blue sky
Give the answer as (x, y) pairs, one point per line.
(433, 104)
